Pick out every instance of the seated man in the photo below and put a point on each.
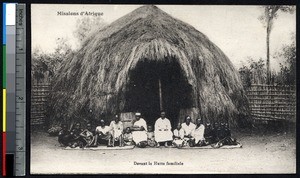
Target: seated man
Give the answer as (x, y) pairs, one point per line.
(103, 134)
(198, 134)
(88, 136)
(64, 136)
(163, 133)
(224, 136)
(188, 127)
(208, 134)
(117, 131)
(216, 131)
(227, 130)
(178, 135)
(76, 139)
(139, 131)
(228, 140)
(150, 136)
(127, 137)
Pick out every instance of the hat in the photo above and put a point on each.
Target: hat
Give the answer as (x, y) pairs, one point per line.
(138, 114)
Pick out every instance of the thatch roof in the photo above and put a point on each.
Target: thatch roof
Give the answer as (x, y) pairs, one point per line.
(96, 77)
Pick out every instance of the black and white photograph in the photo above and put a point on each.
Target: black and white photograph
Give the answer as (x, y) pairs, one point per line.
(163, 89)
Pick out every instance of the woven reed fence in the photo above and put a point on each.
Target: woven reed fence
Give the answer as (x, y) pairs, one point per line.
(39, 99)
(269, 102)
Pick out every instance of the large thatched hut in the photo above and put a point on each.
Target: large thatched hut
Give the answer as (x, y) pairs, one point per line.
(145, 61)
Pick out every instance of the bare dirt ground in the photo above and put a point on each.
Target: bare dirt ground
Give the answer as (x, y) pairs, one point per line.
(271, 153)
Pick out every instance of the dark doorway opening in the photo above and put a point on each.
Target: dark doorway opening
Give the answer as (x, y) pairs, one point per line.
(143, 90)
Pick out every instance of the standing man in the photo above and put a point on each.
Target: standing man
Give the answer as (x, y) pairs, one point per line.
(103, 133)
(117, 131)
(139, 131)
(163, 133)
(188, 127)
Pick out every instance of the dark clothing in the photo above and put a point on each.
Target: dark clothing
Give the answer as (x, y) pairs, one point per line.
(224, 137)
(227, 132)
(209, 135)
(76, 139)
(64, 137)
(215, 133)
(221, 133)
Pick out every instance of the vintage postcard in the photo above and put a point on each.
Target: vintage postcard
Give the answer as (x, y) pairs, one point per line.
(163, 89)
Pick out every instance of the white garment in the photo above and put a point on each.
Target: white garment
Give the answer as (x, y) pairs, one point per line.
(104, 130)
(116, 128)
(140, 123)
(188, 129)
(139, 136)
(198, 133)
(178, 142)
(179, 133)
(163, 130)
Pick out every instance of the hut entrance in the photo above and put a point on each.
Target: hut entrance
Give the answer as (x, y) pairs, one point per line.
(158, 84)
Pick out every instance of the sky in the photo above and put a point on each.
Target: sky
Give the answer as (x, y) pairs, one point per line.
(236, 30)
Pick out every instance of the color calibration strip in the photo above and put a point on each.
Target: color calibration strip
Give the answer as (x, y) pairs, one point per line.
(14, 90)
(9, 51)
(3, 95)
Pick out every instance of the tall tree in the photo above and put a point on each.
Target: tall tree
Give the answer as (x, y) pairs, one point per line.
(287, 74)
(86, 25)
(267, 18)
(254, 72)
(45, 65)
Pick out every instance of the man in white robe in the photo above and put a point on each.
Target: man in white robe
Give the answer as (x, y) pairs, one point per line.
(178, 135)
(139, 131)
(103, 133)
(198, 133)
(188, 127)
(117, 131)
(162, 132)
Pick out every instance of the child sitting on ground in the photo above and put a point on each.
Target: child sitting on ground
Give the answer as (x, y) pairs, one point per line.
(76, 139)
(64, 136)
(178, 135)
(127, 137)
(150, 137)
(88, 136)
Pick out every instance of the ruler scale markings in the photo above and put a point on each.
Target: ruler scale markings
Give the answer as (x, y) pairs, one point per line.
(20, 97)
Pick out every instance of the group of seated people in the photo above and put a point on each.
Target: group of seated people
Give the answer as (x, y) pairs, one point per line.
(141, 135)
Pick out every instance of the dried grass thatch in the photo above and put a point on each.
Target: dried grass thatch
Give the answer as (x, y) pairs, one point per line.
(96, 77)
